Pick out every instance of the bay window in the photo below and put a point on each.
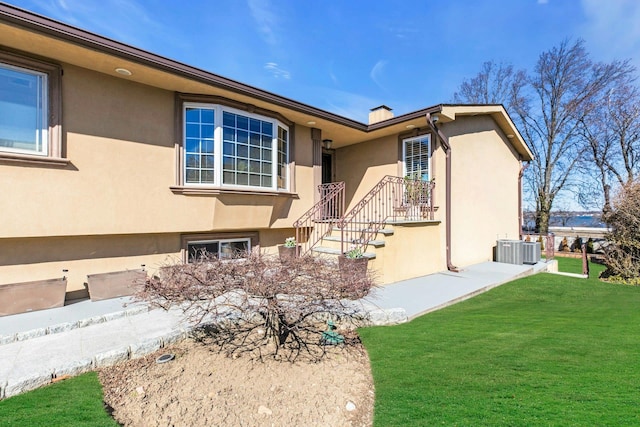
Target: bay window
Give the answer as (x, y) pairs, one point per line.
(228, 148)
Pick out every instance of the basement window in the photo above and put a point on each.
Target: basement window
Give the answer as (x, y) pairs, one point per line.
(222, 249)
(221, 245)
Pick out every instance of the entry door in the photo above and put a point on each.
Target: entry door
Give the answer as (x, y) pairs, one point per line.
(330, 210)
(327, 168)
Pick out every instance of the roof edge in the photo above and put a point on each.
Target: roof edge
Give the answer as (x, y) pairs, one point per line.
(450, 111)
(31, 21)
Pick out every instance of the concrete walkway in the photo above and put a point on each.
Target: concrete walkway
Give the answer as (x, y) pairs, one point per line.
(36, 347)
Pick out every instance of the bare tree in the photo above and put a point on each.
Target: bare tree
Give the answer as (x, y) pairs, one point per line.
(562, 91)
(550, 105)
(496, 83)
(612, 131)
(258, 304)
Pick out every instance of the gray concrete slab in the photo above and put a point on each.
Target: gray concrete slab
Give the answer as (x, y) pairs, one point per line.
(102, 344)
(424, 294)
(112, 330)
(70, 314)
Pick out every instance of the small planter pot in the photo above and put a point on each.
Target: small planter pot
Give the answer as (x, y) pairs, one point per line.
(115, 284)
(24, 297)
(288, 253)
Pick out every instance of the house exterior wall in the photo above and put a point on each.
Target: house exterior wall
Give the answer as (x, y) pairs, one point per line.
(112, 207)
(484, 198)
(484, 189)
(414, 250)
(118, 203)
(361, 166)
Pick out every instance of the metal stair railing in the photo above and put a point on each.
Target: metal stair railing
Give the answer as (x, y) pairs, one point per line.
(317, 222)
(393, 198)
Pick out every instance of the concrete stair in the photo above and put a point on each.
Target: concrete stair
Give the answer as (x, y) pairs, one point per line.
(330, 245)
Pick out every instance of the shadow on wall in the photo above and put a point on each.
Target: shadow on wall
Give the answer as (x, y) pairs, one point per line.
(51, 249)
(110, 107)
(276, 207)
(354, 162)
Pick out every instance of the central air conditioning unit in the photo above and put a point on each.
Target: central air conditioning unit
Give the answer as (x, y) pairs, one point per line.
(531, 252)
(509, 251)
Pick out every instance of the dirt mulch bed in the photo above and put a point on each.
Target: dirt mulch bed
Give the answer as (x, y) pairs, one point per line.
(200, 388)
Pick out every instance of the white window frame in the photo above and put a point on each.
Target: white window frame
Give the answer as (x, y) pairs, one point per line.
(42, 122)
(49, 150)
(218, 148)
(219, 242)
(405, 141)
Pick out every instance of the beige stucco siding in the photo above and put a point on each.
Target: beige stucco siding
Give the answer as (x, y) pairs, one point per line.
(118, 203)
(119, 139)
(112, 207)
(484, 195)
(362, 166)
(412, 251)
(45, 258)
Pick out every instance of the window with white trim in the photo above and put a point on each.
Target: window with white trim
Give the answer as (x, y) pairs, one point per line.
(416, 154)
(221, 248)
(29, 108)
(229, 148)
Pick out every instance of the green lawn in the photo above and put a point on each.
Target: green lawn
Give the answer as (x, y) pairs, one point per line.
(73, 402)
(543, 350)
(574, 265)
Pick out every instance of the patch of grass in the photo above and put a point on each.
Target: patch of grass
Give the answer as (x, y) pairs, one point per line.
(574, 265)
(73, 402)
(543, 350)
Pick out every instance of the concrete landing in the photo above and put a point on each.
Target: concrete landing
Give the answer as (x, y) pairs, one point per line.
(428, 293)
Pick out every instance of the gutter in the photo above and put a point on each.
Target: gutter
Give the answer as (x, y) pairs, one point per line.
(523, 168)
(447, 149)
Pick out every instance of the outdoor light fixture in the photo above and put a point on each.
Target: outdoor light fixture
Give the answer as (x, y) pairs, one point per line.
(123, 71)
(410, 126)
(327, 143)
(311, 123)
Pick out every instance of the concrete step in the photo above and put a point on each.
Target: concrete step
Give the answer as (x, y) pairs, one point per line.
(383, 231)
(332, 251)
(375, 243)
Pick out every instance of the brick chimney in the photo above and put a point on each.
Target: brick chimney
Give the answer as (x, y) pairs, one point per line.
(379, 114)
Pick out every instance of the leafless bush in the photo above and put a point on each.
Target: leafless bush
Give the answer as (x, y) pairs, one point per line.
(622, 254)
(256, 303)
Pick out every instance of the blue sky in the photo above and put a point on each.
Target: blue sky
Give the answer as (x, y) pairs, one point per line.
(349, 56)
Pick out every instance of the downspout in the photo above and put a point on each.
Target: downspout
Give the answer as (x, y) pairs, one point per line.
(447, 150)
(523, 167)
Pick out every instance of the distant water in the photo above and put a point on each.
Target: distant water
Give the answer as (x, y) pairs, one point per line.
(577, 220)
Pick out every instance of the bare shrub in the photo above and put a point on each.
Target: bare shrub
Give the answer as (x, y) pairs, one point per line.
(256, 303)
(622, 254)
